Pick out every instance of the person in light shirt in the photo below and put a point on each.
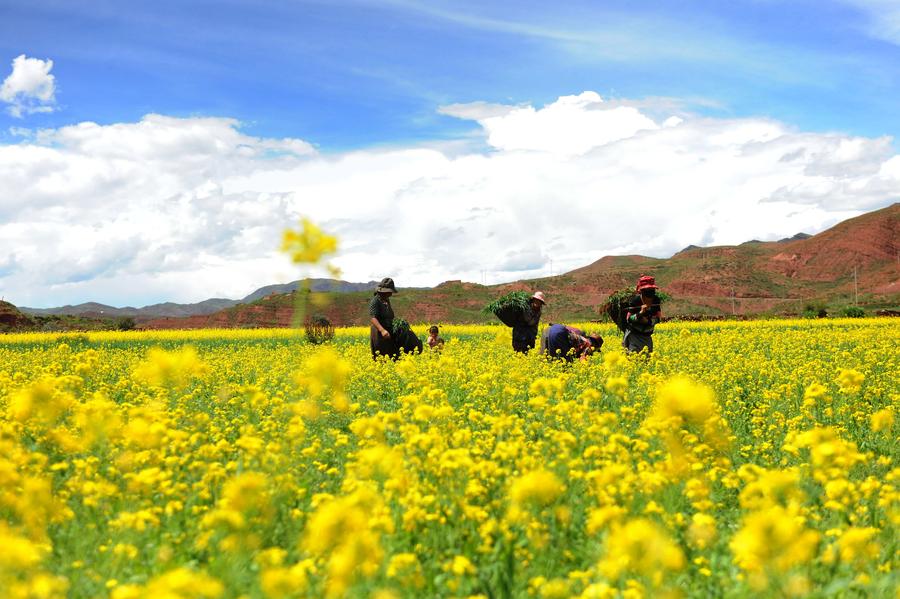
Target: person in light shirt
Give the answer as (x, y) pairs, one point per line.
(435, 341)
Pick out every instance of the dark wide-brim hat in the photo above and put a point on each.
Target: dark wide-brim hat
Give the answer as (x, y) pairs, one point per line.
(386, 286)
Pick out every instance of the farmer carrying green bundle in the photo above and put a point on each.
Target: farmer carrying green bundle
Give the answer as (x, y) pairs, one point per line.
(382, 319)
(642, 316)
(525, 334)
(522, 313)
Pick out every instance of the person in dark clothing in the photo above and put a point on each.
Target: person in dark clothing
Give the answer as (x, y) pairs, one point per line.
(567, 343)
(382, 318)
(525, 333)
(642, 316)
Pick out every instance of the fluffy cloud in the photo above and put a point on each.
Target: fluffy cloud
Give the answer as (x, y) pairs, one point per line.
(30, 87)
(185, 209)
(883, 18)
(571, 125)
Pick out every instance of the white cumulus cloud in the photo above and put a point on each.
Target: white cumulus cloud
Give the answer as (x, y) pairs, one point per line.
(187, 208)
(571, 125)
(30, 88)
(882, 18)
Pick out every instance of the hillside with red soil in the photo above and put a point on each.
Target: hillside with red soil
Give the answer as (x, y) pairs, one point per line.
(754, 278)
(11, 319)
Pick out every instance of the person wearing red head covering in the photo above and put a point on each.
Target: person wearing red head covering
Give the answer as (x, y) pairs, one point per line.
(642, 316)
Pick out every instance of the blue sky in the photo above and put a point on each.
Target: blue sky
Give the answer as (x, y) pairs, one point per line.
(352, 74)
(155, 151)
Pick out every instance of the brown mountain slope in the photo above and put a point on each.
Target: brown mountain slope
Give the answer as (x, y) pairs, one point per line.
(11, 319)
(752, 278)
(870, 243)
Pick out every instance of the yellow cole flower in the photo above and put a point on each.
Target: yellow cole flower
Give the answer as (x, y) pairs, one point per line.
(773, 539)
(702, 531)
(284, 582)
(639, 546)
(170, 369)
(180, 583)
(681, 402)
(858, 546)
(771, 487)
(406, 569)
(831, 455)
(308, 244)
(42, 404)
(600, 518)
(814, 394)
(325, 376)
(98, 420)
(19, 553)
(850, 380)
(294, 470)
(882, 420)
(539, 487)
(347, 532)
(460, 565)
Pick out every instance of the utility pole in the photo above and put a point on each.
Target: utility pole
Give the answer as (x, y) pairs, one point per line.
(732, 301)
(855, 286)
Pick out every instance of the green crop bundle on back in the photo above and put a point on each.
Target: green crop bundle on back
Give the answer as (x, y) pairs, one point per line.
(510, 308)
(617, 303)
(399, 327)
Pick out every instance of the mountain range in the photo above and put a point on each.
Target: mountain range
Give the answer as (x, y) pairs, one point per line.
(856, 261)
(209, 306)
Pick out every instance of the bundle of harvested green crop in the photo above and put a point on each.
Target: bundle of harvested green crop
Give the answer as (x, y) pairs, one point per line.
(510, 308)
(616, 306)
(399, 327)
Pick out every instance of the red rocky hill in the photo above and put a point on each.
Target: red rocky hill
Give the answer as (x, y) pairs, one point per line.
(753, 278)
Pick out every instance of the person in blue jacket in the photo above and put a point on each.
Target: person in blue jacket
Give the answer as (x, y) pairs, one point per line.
(567, 343)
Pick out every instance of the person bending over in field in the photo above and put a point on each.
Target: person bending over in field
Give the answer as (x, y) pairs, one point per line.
(524, 334)
(435, 341)
(382, 318)
(567, 343)
(642, 316)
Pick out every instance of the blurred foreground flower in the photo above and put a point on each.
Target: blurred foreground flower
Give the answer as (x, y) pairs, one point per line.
(642, 547)
(180, 583)
(539, 487)
(325, 376)
(772, 541)
(308, 244)
(170, 369)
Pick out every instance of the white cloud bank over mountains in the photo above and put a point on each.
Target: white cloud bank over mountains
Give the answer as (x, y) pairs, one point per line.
(30, 87)
(184, 209)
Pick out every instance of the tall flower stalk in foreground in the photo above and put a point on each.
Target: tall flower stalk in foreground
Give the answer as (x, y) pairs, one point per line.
(308, 245)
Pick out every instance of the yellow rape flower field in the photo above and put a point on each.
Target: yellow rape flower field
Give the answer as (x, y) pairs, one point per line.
(741, 460)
